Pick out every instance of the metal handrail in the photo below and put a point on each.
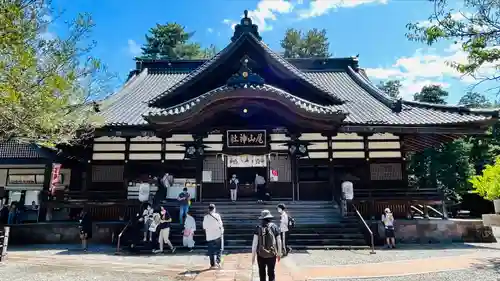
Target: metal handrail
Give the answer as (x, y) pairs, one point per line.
(120, 237)
(367, 227)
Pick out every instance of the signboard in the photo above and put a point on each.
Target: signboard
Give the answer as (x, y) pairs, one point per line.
(246, 161)
(54, 180)
(246, 138)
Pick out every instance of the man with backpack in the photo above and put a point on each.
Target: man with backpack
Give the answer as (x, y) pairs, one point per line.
(266, 246)
(233, 185)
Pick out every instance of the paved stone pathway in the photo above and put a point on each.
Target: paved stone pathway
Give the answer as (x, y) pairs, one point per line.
(296, 267)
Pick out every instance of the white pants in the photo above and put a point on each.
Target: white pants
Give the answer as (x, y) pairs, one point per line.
(188, 241)
(234, 194)
(163, 238)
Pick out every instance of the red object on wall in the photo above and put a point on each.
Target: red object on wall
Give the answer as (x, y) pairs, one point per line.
(56, 172)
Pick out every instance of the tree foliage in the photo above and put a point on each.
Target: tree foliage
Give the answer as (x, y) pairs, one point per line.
(391, 88)
(431, 94)
(47, 82)
(487, 184)
(172, 41)
(446, 167)
(312, 44)
(474, 100)
(476, 28)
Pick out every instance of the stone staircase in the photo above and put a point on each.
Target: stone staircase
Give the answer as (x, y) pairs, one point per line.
(318, 224)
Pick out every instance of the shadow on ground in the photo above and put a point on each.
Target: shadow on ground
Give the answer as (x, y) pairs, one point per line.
(489, 264)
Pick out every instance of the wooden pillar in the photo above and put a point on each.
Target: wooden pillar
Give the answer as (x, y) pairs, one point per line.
(331, 170)
(45, 194)
(198, 139)
(295, 182)
(367, 173)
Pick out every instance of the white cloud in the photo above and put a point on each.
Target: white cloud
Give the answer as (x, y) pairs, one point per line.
(320, 7)
(229, 22)
(426, 67)
(267, 10)
(134, 48)
(458, 16)
(210, 30)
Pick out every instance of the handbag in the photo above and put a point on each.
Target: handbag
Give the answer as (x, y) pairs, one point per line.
(153, 226)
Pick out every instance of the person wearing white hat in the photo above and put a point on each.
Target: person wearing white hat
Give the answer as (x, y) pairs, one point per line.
(266, 246)
(388, 221)
(233, 187)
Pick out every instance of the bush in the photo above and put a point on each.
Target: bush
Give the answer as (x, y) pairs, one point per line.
(487, 185)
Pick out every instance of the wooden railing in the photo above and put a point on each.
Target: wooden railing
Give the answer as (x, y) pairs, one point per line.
(89, 196)
(424, 194)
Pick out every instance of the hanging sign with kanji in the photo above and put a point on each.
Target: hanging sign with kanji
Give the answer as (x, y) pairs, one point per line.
(246, 138)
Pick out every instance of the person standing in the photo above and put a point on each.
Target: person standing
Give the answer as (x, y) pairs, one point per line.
(233, 186)
(147, 219)
(185, 199)
(347, 195)
(260, 186)
(188, 234)
(85, 229)
(284, 229)
(214, 230)
(266, 246)
(388, 221)
(164, 230)
(13, 214)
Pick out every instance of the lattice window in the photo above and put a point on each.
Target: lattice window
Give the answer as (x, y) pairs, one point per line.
(217, 166)
(386, 171)
(102, 173)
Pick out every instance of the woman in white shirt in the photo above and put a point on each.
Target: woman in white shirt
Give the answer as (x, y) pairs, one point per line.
(189, 229)
(388, 221)
(284, 230)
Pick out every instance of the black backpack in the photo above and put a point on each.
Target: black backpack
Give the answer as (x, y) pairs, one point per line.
(291, 222)
(267, 246)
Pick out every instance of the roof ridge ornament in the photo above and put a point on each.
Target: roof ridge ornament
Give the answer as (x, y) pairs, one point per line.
(245, 74)
(245, 26)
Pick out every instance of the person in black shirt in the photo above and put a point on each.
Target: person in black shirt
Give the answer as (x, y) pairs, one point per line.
(85, 229)
(266, 246)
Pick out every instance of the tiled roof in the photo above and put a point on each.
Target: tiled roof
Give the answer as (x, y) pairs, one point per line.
(211, 64)
(299, 102)
(13, 149)
(363, 102)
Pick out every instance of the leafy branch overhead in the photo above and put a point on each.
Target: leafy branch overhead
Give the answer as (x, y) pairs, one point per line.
(47, 83)
(476, 28)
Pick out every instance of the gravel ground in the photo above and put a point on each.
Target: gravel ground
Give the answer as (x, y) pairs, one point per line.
(343, 257)
(457, 275)
(25, 272)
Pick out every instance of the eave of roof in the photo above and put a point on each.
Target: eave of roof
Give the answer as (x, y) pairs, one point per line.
(303, 104)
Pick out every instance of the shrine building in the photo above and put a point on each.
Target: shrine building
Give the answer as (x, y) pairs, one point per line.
(305, 125)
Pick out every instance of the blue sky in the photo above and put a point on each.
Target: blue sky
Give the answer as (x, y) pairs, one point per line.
(374, 29)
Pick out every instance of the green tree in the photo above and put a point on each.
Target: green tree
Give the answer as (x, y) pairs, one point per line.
(487, 185)
(312, 44)
(474, 100)
(47, 83)
(476, 28)
(431, 94)
(170, 41)
(391, 88)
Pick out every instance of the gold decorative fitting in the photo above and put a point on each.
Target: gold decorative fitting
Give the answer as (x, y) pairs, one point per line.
(245, 74)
